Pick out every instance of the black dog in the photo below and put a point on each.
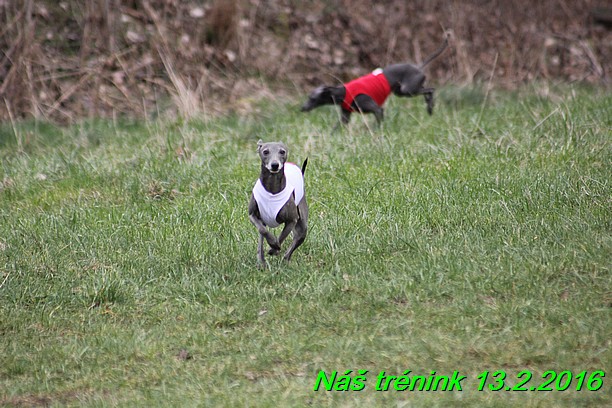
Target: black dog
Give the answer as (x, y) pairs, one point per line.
(368, 93)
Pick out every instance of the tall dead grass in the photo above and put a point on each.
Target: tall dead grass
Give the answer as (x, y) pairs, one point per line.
(62, 61)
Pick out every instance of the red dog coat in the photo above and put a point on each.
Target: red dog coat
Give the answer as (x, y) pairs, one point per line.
(375, 85)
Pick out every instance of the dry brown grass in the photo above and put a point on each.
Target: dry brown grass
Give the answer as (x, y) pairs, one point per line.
(62, 61)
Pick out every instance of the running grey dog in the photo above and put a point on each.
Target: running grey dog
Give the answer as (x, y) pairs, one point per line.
(368, 93)
(278, 198)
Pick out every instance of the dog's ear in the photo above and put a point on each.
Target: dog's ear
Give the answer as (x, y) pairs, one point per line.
(259, 144)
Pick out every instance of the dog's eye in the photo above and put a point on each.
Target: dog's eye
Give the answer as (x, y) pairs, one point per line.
(282, 152)
(266, 152)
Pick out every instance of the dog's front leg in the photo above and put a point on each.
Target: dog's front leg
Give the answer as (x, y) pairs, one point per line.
(287, 228)
(380, 115)
(366, 104)
(261, 260)
(264, 232)
(345, 116)
(268, 236)
(255, 219)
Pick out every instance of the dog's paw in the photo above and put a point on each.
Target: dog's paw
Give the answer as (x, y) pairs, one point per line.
(274, 251)
(273, 242)
(430, 106)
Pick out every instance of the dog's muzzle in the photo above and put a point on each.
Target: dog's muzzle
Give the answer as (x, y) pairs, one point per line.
(274, 167)
(307, 107)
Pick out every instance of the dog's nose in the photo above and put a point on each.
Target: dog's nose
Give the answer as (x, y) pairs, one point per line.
(274, 166)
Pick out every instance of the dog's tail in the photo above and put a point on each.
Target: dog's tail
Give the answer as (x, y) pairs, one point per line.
(436, 53)
(304, 166)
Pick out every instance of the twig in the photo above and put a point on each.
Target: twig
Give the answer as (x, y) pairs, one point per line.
(10, 24)
(156, 22)
(70, 91)
(123, 89)
(545, 119)
(8, 79)
(590, 55)
(595, 65)
(5, 279)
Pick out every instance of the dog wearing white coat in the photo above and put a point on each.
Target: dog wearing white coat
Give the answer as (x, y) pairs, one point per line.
(278, 198)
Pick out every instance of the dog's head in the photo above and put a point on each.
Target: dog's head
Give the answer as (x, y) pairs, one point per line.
(322, 95)
(273, 155)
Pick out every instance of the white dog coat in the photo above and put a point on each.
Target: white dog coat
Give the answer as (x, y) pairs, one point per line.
(270, 204)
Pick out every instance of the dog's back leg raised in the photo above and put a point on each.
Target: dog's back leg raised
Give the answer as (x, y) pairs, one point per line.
(301, 227)
(300, 230)
(429, 92)
(407, 79)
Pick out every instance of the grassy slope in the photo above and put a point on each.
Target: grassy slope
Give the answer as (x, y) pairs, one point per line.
(128, 276)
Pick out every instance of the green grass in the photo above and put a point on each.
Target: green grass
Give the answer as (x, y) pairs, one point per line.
(477, 239)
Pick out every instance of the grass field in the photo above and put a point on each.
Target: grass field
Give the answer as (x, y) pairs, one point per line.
(476, 239)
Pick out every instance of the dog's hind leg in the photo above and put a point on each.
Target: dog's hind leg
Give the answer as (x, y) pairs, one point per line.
(289, 213)
(429, 98)
(426, 92)
(299, 236)
(411, 85)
